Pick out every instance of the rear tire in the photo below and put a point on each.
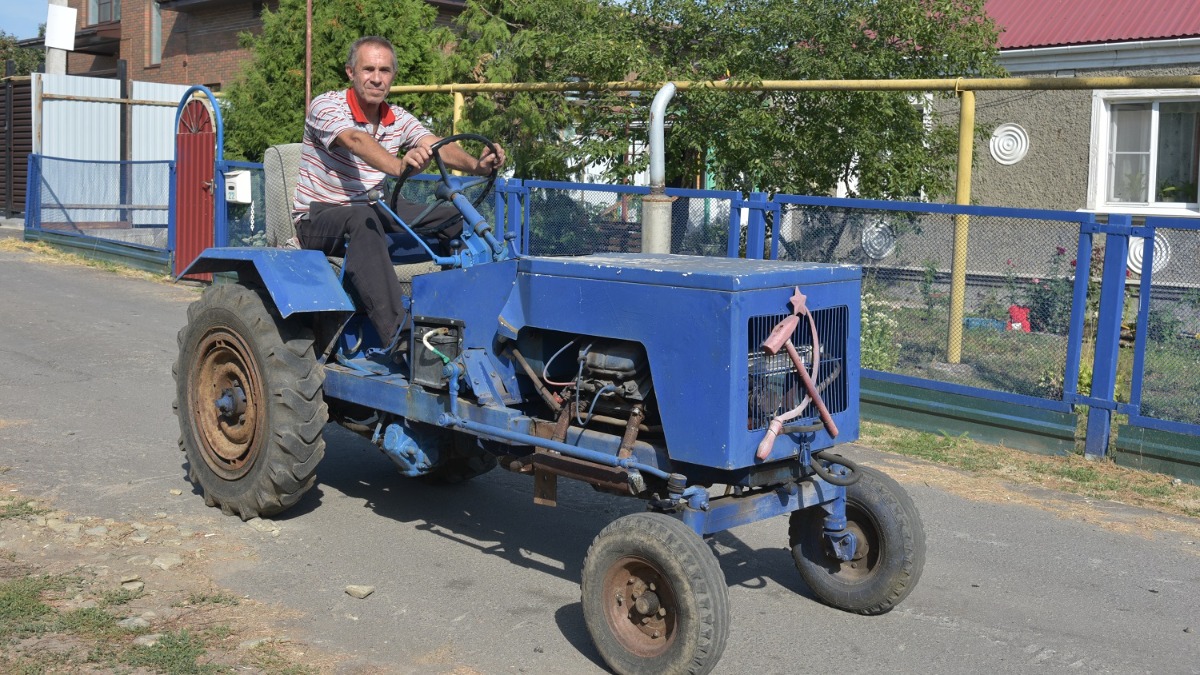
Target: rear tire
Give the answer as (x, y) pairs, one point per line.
(249, 400)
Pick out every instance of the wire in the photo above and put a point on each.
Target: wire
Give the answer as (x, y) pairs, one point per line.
(592, 408)
(546, 367)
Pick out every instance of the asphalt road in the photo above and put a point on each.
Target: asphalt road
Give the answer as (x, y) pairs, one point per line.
(478, 579)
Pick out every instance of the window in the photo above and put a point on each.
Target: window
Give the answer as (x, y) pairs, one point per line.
(156, 49)
(1145, 151)
(103, 11)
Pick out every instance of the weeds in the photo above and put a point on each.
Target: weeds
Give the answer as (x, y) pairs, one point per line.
(174, 653)
(1071, 473)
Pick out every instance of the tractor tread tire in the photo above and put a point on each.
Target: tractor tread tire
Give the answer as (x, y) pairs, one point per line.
(291, 444)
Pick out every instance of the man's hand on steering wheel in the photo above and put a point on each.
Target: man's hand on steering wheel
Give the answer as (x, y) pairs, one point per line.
(487, 165)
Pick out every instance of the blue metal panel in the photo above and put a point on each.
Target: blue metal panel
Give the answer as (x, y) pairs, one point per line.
(298, 281)
(1165, 425)
(950, 209)
(704, 357)
(590, 187)
(699, 272)
(1083, 257)
(964, 390)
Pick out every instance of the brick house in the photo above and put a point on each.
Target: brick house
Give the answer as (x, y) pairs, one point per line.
(174, 41)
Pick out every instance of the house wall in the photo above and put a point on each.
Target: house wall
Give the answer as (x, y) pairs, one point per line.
(1054, 172)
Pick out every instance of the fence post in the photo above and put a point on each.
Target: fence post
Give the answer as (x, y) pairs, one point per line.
(756, 226)
(10, 69)
(1108, 335)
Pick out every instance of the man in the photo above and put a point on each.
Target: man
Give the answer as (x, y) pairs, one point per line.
(351, 142)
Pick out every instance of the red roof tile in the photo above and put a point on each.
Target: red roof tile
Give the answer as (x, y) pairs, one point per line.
(1053, 23)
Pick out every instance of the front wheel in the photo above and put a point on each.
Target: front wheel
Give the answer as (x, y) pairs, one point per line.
(249, 400)
(654, 598)
(889, 555)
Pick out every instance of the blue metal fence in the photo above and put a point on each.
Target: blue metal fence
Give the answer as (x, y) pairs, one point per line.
(1065, 311)
(1063, 315)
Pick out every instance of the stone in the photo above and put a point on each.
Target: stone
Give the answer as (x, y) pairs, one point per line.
(176, 491)
(360, 592)
(251, 644)
(133, 586)
(168, 560)
(134, 623)
(139, 560)
(261, 525)
(148, 640)
(140, 538)
(98, 531)
(126, 578)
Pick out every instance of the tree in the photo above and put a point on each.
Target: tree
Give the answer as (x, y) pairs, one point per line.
(265, 106)
(27, 60)
(797, 143)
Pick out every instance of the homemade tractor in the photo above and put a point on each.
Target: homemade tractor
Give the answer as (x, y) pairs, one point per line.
(710, 388)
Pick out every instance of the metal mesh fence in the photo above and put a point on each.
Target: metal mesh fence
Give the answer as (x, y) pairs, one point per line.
(577, 222)
(1020, 280)
(121, 201)
(1170, 387)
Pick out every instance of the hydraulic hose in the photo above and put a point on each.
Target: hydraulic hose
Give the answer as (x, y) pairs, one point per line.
(828, 476)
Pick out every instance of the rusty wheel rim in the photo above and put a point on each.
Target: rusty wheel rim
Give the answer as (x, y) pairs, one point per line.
(866, 549)
(640, 606)
(225, 403)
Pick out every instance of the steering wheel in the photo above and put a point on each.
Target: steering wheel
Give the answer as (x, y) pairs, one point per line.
(489, 179)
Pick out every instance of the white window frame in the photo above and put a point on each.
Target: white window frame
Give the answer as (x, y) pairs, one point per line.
(1102, 102)
(156, 34)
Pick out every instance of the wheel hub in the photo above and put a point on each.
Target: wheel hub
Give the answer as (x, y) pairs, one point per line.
(642, 611)
(224, 403)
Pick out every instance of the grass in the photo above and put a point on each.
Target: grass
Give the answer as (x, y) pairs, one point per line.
(1071, 473)
(45, 251)
(19, 509)
(30, 606)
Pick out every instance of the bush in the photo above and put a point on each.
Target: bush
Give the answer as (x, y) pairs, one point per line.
(880, 351)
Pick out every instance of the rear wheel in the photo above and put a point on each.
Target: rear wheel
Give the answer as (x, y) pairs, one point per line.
(889, 553)
(249, 402)
(654, 598)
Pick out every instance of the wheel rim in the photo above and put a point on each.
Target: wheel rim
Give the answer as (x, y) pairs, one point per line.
(225, 403)
(866, 550)
(641, 607)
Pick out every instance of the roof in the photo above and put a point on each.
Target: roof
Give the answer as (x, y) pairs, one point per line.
(1055, 23)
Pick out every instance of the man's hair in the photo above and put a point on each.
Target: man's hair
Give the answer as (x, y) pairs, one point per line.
(352, 57)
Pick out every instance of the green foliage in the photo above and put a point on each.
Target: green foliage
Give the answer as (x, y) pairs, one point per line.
(21, 606)
(1049, 300)
(174, 653)
(27, 60)
(879, 349)
(781, 141)
(266, 105)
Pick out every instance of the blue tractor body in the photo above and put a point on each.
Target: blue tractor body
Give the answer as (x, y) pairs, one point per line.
(661, 377)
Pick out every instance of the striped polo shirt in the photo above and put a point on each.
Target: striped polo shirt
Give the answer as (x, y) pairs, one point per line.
(330, 173)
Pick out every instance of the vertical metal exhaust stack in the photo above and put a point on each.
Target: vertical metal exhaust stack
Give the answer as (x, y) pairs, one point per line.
(656, 207)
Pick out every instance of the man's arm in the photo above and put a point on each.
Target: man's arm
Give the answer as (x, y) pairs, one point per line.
(370, 151)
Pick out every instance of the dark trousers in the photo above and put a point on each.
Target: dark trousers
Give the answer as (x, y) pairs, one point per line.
(367, 263)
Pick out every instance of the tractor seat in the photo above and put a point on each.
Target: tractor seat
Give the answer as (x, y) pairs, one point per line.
(281, 169)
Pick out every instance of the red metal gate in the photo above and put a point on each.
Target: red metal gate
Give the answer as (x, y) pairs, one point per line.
(195, 153)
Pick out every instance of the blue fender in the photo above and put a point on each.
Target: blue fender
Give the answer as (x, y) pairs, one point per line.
(298, 281)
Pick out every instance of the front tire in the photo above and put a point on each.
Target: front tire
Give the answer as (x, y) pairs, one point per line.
(888, 559)
(249, 401)
(654, 597)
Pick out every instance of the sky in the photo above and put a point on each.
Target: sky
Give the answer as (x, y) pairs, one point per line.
(21, 17)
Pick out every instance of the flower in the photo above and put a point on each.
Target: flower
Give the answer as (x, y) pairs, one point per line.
(1073, 263)
(1058, 250)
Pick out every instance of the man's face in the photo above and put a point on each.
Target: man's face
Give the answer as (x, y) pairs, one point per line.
(372, 74)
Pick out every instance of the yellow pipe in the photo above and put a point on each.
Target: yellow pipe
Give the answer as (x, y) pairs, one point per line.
(962, 196)
(959, 84)
(458, 109)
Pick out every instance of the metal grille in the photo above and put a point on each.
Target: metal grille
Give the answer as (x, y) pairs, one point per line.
(774, 386)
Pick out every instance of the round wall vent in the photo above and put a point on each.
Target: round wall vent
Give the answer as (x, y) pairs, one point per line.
(1137, 246)
(1009, 143)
